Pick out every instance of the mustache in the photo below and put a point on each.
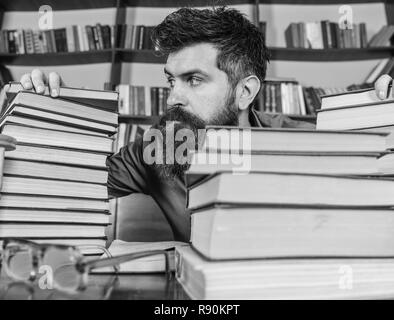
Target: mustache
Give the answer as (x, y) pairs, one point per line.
(178, 114)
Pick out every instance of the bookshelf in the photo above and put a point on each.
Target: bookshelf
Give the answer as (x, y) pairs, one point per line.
(117, 56)
(149, 56)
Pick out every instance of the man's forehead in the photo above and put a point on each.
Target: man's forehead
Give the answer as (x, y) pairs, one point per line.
(196, 57)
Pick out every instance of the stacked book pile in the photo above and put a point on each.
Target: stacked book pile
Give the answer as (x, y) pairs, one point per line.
(361, 110)
(54, 185)
(288, 214)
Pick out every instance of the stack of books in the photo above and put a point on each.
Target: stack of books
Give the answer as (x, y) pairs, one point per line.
(54, 185)
(361, 110)
(282, 214)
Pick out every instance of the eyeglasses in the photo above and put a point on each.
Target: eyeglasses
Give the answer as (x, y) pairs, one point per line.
(65, 268)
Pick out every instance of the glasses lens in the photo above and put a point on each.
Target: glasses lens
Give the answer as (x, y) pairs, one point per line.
(19, 261)
(61, 264)
(17, 291)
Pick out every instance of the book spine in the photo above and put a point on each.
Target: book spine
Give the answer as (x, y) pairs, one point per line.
(363, 35)
(90, 38)
(75, 36)
(96, 38)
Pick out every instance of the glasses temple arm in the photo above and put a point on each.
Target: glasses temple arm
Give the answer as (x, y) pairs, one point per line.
(109, 262)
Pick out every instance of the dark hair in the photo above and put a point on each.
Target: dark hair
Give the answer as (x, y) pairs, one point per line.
(241, 45)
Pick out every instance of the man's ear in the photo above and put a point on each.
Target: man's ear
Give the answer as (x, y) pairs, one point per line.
(247, 91)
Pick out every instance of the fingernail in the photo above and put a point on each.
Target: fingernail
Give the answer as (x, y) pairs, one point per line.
(54, 93)
(40, 88)
(27, 85)
(382, 95)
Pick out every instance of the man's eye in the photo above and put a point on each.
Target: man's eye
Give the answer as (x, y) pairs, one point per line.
(171, 82)
(193, 81)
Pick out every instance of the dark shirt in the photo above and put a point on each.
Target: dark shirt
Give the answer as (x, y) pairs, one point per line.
(129, 174)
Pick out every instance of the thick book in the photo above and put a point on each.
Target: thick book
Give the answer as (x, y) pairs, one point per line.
(357, 116)
(91, 246)
(41, 230)
(107, 100)
(58, 155)
(63, 107)
(291, 140)
(53, 216)
(46, 187)
(250, 232)
(279, 188)
(22, 201)
(203, 163)
(42, 123)
(351, 98)
(54, 171)
(150, 264)
(385, 163)
(284, 278)
(47, 119)
(56, 138)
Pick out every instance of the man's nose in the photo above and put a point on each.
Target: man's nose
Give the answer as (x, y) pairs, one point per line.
(177, 97)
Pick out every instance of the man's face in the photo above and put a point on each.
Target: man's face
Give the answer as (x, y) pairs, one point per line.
(200, 95)
(199, 88)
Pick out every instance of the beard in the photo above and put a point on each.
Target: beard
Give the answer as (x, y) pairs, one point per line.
(176, 119)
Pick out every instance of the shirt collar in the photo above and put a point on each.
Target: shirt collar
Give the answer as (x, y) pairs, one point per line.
(254, 119)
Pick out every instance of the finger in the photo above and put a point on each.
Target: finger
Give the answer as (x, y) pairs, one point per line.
(382, 86)
(54, 84)
(26, 81)
(38, 78)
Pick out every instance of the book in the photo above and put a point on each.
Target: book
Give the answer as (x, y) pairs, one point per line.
(86, 245)
(64, 107)
(25, 120)
(283, 278)
(56, 138)
(52, 216)
(23, 201)
(51, 154)
(72, 124)
(385, 163)
(150, 264)
(46, 230)
(360, 116)
(356, 97)
(279, 188)
(259, 231)
(104, 99)
(46, 187)
(54, 171)
(291, 140)
(203, 163)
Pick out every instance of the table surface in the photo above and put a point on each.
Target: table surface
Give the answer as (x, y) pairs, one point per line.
(111, 287)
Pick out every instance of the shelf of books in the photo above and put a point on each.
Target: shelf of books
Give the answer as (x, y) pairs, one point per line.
(22, 5)
(150, 56)
(78, 44)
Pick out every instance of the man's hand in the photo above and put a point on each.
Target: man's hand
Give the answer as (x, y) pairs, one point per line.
(382, 86)
(37, 80)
